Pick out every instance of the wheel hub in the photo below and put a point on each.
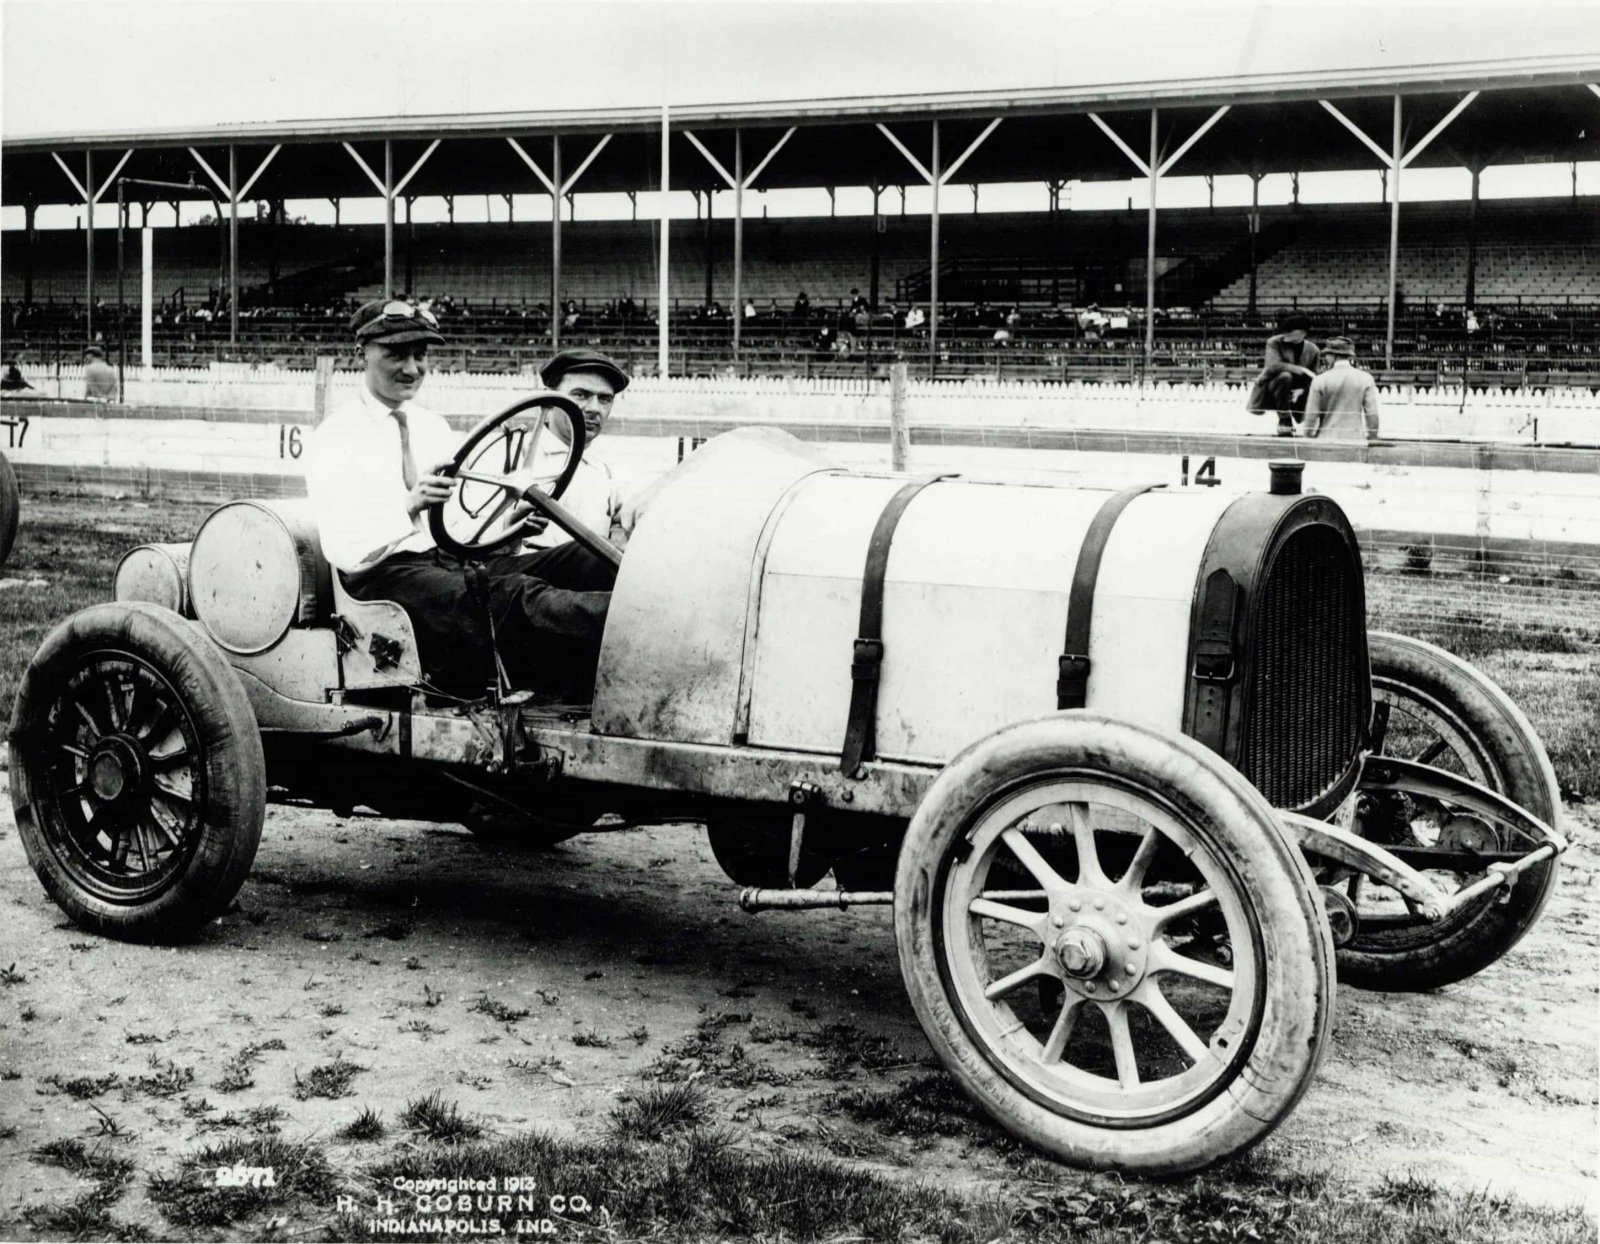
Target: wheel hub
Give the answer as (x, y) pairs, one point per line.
(117, 770)
(1100, 943)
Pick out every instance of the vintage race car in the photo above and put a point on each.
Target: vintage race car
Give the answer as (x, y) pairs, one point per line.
(1130, 767)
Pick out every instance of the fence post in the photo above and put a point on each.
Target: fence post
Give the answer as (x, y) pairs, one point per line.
(899, 434)
(319, 394)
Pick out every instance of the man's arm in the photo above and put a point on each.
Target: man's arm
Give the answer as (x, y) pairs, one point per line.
(361, 506)
(1314, 408)
(1369, 408)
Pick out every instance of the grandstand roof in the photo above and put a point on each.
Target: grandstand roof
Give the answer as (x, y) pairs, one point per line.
(1041, 67)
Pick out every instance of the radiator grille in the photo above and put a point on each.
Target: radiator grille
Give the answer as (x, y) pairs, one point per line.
(1309, 696)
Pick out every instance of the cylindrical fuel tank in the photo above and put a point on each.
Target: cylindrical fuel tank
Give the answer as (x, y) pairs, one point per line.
(739, 601)
(255, 570)
(157, 573)
(974, 610)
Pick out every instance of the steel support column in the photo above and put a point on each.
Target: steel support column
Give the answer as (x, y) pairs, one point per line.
(556, 310)
(1394, 236)
(233, 246)
(1150, 246)
(666, 230)
(737, 311)
(933, 264)
(1471, 293)
(88, 199)
(388, 218)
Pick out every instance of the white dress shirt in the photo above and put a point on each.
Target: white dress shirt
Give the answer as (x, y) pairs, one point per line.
(593, 497)
(355, 479)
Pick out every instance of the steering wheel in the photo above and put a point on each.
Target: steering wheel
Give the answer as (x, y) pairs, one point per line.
(526, 453)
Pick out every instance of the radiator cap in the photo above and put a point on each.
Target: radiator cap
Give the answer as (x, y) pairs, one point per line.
(1286, 477)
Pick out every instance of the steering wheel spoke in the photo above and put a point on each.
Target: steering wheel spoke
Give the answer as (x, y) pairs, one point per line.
(511, 454)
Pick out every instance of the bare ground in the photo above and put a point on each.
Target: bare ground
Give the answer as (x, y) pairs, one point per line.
(538, 990)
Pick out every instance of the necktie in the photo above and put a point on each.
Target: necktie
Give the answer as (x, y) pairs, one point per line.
(408, 464)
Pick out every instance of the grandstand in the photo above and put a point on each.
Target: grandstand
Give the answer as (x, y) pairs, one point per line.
(1538, 289)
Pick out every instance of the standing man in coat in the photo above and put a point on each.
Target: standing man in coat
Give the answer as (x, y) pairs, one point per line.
(1343, 403)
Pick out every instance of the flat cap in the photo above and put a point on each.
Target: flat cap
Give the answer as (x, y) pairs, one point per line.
(583, 360)
(394, 323)
(1339, 345)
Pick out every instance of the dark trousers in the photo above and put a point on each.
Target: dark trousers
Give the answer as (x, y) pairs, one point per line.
(543, 612)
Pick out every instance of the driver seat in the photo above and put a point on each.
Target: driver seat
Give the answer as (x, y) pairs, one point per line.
(377, 644)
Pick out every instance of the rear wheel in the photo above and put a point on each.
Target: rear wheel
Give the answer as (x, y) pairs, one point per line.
(1436, 709)
(1112, 946)
(137, 775)
(10, 508)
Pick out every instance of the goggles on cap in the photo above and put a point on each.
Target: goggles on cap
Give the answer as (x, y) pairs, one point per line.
(403, 312)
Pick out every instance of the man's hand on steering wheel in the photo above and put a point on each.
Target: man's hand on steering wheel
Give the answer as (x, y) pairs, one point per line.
(432, 488)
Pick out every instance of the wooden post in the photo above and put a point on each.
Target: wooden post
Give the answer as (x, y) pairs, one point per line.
(899, 434)
(324, 378)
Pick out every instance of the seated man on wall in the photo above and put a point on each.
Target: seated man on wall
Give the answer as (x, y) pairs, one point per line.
(540, 614)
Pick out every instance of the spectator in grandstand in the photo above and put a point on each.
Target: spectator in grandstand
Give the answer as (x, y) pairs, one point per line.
(12, 381)
(915, 318)
(802, 306)
(858, 303)
(592, 380)
(540, 615)
(749, 309)
(1343, 401)
(99, 377)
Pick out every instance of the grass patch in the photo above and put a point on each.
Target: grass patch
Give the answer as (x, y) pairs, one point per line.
(237, 1075)
(368, 1125)
(497, 1010)
(711, 1052)
(191, 1197)
(166, 1078)
(654, 1112)
(74, 544)
(84, 1087)
(329, 1080)
(88, 1216)
(439, 1120)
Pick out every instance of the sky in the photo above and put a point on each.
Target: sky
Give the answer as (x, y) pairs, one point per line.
(102, 66)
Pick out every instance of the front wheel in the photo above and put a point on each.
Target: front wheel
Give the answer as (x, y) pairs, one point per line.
(1111, 945)
(1436, 709)
(137, 774)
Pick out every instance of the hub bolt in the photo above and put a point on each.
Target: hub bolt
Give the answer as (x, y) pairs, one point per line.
(1081, 953)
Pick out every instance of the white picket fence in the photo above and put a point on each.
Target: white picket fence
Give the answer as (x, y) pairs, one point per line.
(1554, 416)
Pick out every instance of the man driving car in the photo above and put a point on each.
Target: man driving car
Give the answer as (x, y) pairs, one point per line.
(373, 467)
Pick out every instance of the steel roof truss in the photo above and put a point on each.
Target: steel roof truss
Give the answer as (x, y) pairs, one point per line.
(533, 165)
(711, 159)
(1438, 129)
(750, 181)
(1384, 157)
(421, 160)
(1121, 146)
(1166, 165)
(222, 185)
(587, 161)
(906, 151)
(1595, 87)
(244, 193)
(971, 147)
(106, 184)
(71, 176)
(377, 182)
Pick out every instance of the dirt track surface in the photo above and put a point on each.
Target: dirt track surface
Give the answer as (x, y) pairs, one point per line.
(372, 941)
